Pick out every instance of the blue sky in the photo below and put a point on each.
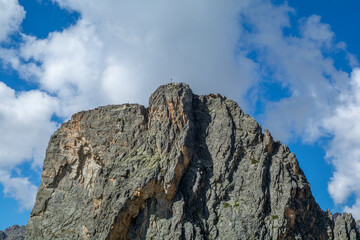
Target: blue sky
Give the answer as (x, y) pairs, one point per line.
(292, 65)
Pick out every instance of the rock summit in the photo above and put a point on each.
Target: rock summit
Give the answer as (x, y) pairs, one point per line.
(186, 167)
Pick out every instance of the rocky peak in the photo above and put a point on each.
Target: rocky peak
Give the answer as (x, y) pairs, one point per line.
(186, 167)
(14, 232)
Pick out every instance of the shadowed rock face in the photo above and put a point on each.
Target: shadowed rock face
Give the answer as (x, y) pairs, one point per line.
(187, 167)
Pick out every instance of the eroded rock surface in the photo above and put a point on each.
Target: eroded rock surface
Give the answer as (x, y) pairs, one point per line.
(186, 167)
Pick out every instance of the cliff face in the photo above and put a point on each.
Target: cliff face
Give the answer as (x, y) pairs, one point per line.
(187, 167)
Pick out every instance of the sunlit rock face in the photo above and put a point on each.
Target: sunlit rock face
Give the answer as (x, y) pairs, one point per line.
(186, 167)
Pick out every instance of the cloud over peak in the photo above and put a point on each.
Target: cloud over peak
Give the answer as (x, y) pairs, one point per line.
(120, 51)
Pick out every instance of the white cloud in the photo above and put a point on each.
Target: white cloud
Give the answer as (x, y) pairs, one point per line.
(11, 16)
(70, 66)
(18, 188)
(25, 125)
(344, 149)
(313, 30)
(142, 45)
(300, 63)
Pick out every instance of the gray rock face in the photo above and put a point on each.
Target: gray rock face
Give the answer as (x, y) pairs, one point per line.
(186, 167)
(345, 227)
(13, 233)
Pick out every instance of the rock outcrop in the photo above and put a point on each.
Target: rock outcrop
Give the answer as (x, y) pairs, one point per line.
(13, 233)
(186, 167)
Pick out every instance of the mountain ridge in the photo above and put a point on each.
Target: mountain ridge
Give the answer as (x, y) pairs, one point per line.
(14, 232)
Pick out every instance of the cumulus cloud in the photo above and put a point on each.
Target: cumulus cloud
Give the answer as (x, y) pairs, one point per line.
(19, 188)
(300, 63)
(25, 125)
(70, 67)
(11, 16)
(312, 29)
(344, 149)
(121, 51)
